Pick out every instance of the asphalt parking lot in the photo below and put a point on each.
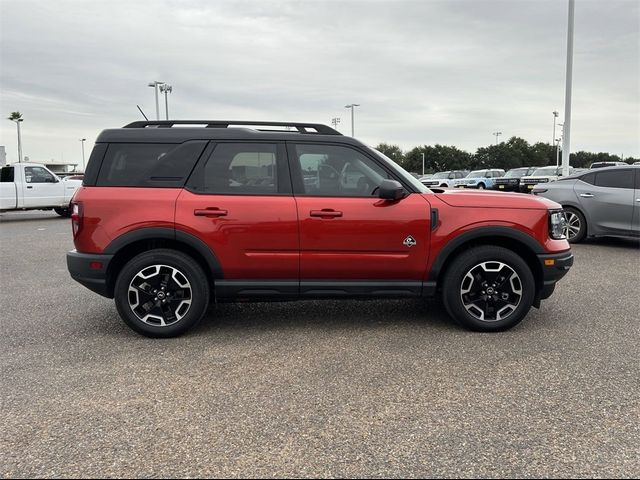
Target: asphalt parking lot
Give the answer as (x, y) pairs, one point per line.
(375, 389)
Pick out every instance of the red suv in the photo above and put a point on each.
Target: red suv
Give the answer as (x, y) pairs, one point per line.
(170, 218)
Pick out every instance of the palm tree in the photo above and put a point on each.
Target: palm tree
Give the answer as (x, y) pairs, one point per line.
(17, 117)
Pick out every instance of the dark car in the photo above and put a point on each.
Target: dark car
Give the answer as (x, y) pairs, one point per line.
(510, 182)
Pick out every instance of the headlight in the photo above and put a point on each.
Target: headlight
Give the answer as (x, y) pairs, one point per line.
(557, 225)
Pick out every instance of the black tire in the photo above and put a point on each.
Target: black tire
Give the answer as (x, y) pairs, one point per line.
(63, 212)
(456, 281)
(481, 186)
(184, 304)
(576, 225)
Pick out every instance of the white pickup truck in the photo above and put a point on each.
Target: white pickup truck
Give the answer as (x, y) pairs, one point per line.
(31, 186)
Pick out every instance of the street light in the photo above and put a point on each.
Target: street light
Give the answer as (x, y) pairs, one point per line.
(352, 107)
(166, 88)
(555, 115)
(497, 134)
(566, 136)
(422, 163)
(82, 140)
(17, 117)
(155, 85)
(335, 121)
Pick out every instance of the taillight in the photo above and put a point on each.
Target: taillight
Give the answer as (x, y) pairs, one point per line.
(76, 218)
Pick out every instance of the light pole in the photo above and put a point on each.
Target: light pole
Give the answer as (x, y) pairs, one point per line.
(155, 85)
(17, 117)
(422, 153)
(557, 142)
(555, 115)
(566, 136)
(82, 140)
(335, 121)
(497, 134)
(352, 106)
(166, 88)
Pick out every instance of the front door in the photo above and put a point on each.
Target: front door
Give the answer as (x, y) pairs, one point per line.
(348, 235)
(239, 202)
(41, 188)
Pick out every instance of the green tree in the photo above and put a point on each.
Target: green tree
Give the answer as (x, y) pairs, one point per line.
(15, 116)
(515, 152)
(437, 158)
(394, 152)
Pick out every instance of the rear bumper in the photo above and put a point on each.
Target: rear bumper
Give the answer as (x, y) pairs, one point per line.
(90, 270)
(554, 267)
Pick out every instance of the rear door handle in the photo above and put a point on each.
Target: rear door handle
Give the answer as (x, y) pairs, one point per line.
(586, 195)
(325, 213)
(210, 212)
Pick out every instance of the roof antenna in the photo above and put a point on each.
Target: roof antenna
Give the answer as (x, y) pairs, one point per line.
(145, 117)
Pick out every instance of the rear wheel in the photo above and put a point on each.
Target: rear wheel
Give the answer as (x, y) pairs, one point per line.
(162, 293)
(488, 288)
(576, 227)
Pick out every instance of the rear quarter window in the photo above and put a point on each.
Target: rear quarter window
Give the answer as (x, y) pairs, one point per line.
(149, 164)
(6, 174)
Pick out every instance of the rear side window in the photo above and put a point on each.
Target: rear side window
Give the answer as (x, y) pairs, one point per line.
(6, 174)
(149, 164)
(615, 179)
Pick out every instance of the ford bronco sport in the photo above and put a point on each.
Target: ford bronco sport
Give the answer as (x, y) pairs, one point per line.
(169, 219)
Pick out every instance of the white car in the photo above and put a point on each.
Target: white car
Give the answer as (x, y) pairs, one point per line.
(541, 175)
(32, 186)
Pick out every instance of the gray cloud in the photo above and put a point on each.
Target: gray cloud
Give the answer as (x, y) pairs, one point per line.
(448, 72)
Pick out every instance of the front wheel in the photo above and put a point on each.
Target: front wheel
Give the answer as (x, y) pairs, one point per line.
(161, 293)
(576, 226)
(63, 211)
(481, 186)
(488, 288)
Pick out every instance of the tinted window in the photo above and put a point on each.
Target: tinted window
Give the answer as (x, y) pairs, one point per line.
(335, 171)
(615, 179)
(148, 164)
(6, 174)
(240, 168)
(590, 178)
(38, 175)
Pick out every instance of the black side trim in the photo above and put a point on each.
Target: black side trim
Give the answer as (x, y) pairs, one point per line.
(384, 288)
(483, 232)
(95, 280)
(256, 288)
(165, 233)
(435, 218)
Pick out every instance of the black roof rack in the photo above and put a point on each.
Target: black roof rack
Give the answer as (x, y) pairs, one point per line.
(317, 128)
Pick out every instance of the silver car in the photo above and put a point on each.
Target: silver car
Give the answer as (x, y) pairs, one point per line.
(605, 201)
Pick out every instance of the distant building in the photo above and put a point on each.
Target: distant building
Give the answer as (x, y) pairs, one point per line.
(3, 155)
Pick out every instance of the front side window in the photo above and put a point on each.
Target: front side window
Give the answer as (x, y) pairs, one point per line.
(38, 175)
(615, 179)
(241, 168)
(335, 171)
(477, 174)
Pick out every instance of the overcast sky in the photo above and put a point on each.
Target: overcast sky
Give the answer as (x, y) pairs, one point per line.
(425, 72)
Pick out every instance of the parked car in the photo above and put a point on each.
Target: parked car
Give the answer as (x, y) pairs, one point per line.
(607, 164)
(604, 202)
(636, 163)
(541, 175)
(426, 177)
(32, 186)
(169, 219)
(444, 179)
(480, 179)
(510, 182)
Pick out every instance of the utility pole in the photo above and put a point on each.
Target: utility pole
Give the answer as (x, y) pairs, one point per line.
(155, 85)
(352, 107)
(566, 136)
(497, 134)
(82, 140)
(422, 153)
(555, 116)
(166, 88)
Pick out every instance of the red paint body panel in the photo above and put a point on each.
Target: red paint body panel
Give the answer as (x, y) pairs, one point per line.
(366, 240)
(256, 239)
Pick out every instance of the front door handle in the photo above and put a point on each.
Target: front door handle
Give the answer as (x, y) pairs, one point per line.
(586, 195)
(325, 213)
(210, 212)
(29, 186)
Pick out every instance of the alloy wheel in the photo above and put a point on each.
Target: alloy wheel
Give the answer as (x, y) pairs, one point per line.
(160, 295)
(572, 225)
(491, 291)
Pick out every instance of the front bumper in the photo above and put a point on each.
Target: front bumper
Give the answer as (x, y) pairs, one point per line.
(507, 187)
(554, 267)
(90, 270)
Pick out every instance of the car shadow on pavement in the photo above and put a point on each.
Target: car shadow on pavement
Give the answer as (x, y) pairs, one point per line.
(616, 242)
(18, 217)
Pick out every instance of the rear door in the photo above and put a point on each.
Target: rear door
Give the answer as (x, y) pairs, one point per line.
(239, 202)
(351, 241)
(607, 198)
(635, 223)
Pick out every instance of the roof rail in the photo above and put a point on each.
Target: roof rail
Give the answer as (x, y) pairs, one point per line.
(316, 128)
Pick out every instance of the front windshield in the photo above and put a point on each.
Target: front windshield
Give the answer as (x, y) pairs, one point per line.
(516, 172)
(477, 173)
(401, 172)
(546, 171)
(441, 175)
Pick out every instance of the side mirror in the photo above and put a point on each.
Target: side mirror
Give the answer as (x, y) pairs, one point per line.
(391, 190)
